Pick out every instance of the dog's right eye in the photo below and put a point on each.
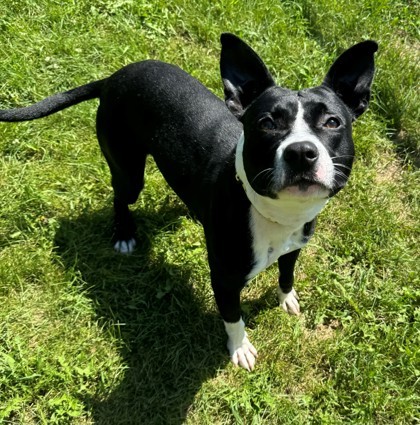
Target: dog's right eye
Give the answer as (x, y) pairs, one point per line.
(266, 123)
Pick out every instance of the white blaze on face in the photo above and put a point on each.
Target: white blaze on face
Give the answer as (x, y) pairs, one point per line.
(301, 132)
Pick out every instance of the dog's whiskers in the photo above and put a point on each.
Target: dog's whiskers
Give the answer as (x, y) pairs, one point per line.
(339, 172)
(263, 172)
(341, 175)
(341, 165)
(342, 156)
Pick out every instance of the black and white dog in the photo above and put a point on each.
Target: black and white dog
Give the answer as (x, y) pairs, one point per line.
(256, 171)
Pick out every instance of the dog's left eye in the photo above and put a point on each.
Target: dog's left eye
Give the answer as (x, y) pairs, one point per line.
(266, 123)
(332, 123)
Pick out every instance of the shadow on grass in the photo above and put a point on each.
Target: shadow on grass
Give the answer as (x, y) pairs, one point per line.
(169, 341)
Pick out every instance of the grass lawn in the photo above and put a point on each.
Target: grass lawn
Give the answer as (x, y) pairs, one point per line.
(88, 336)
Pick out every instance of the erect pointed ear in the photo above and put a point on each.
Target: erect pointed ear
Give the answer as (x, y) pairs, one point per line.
(243, 72)
(351, 76)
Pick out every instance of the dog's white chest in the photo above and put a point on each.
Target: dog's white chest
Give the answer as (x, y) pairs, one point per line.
(271, 240)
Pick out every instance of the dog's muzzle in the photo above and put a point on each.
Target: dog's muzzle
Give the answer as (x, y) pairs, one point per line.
(303, 168)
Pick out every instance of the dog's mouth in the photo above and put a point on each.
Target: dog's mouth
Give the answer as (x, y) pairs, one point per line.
(298, 187)
(305, 187)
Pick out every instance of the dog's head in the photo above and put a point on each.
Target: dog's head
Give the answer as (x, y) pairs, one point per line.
(296, 144)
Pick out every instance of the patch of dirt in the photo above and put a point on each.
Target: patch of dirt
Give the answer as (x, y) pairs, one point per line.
(323, 332)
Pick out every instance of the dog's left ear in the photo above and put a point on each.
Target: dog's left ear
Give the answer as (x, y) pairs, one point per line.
(351, 76)
(244, 74)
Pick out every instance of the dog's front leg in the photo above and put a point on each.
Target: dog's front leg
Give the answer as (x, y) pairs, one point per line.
(241, 351)
(287, 295)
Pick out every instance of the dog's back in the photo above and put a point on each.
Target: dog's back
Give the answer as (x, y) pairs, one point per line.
(145, 104)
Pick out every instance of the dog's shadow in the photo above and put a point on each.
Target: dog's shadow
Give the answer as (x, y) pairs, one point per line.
(170, 343)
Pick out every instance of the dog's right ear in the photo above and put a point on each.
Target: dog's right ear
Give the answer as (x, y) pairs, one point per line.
(244, 74)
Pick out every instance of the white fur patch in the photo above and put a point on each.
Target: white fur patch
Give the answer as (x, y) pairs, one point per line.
(241, 351)
(289, 302)
(270, 240)
(125, 247)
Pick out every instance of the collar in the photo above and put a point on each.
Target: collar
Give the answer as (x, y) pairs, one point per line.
(284, 211)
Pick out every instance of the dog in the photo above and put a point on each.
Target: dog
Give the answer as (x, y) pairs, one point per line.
(256, 170)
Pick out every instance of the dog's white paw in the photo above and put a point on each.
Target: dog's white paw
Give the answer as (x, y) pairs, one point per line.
(125, 247)
(242, 352)
(245, 355)
(289, 301)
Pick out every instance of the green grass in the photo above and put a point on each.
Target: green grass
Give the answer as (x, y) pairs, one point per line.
(88, 336)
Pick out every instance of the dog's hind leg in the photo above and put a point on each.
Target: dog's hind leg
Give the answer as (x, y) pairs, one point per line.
(127, 165)
(126, 157)
(127, 187)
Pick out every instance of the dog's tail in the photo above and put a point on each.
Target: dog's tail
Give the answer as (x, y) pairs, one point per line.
(53, 103)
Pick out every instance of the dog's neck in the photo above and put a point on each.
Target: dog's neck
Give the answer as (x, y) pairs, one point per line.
(286, 210)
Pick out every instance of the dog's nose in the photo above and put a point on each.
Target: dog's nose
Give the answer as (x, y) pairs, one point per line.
(301, 156)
